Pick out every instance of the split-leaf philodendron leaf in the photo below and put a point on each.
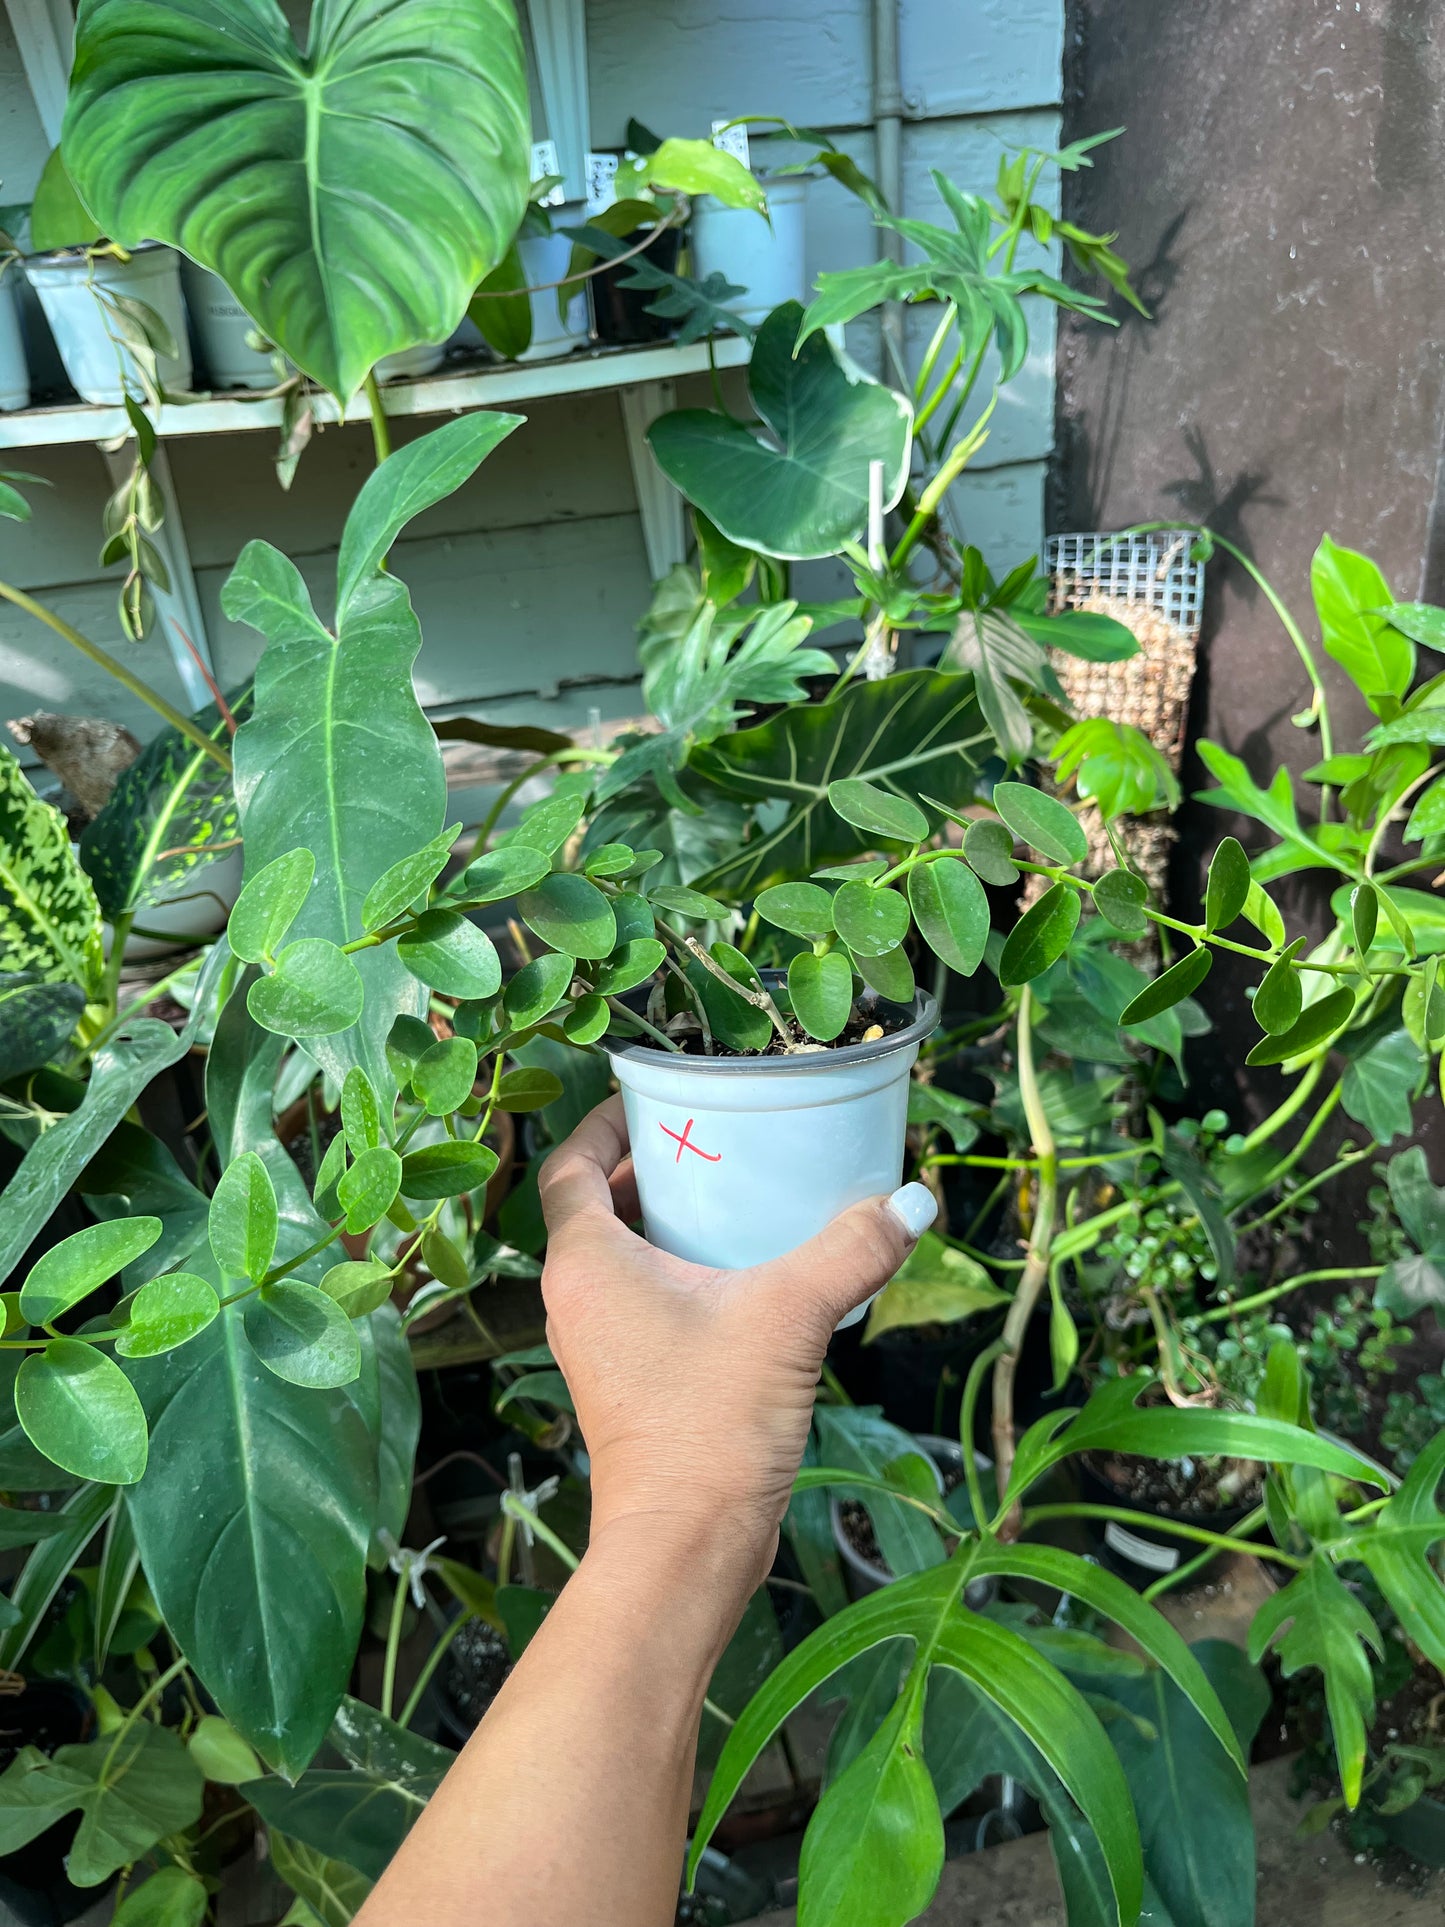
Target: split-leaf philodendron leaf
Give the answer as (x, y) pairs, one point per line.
(350, 195)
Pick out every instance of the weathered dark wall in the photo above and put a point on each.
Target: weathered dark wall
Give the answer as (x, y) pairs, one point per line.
(1280, 190)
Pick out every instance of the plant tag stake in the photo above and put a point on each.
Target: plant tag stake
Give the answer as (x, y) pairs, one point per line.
(544, 162)
(731, 140)
(601, 181)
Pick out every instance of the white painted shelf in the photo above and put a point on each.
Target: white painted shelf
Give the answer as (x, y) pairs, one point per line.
(439, 394)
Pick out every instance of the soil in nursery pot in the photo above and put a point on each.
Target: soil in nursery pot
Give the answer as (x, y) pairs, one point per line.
(1187, 1490)
(864, 1026)
(858, 1527)
(473, 1673)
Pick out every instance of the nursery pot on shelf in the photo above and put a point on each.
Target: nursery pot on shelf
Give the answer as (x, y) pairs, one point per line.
(221, 325)
(1139, 1553)
(14, 371)
(62, 281)
(622, 317)
(545, 258)
(740, 245)
(739, 1159)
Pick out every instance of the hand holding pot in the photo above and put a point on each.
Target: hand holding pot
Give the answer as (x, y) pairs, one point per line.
(694, 1387)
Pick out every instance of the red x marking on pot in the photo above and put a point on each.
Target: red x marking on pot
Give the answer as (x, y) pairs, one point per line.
(684, 1143)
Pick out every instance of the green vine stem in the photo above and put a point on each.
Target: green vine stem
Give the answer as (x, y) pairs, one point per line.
(1220, 1541)
(1183, 1573)
(393, 1643)
(1333, 1274)
(380, 426)
(434, 1659)
(1036, 1269)
(104, 660)
(572, 754)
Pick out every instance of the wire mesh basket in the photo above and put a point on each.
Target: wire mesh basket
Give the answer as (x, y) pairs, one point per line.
(1153, 585)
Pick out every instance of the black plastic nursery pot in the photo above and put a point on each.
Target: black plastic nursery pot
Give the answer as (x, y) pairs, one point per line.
(620, 314)
(1139, 1553)
(741, 1159)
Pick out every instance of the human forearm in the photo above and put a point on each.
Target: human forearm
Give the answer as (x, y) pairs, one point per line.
(570, 1801)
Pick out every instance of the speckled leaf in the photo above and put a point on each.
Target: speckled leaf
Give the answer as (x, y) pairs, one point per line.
(49, 918)
(36, 1019)
(171, 815)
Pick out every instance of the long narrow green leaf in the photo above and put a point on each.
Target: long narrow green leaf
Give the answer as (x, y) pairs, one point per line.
(1397, 1553)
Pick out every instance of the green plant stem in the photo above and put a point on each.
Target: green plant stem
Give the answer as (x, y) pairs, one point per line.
(1036, 1269)
(1259, 1298)
(1220, 1541)
(1389, 816)
(972, 1386)
(138, 1004)
(1183, 1573)
(513, 1508)
(1032, 1164)
(1296, 1101)
(380, 426)
(103, 660)
(616, 1005)
(833, 1384)
(393, 1645)
(572, 754)
(434, 1659)
(1306, 1138)
(1303, 1191)
(115, 962)
(304, 1257)
(153, 1692)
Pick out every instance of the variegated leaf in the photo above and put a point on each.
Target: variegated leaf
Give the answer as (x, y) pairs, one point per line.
(49, 918)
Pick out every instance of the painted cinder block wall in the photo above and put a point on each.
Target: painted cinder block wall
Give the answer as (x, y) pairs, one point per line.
(530, 581)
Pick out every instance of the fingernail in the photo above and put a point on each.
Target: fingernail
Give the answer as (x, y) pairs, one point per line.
(915, 1208)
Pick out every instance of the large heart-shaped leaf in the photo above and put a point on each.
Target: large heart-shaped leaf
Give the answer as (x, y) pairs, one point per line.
(49, 919)
(803, 490)
(170, 816)
(917, 732)
(351, 196)
(131, 1791)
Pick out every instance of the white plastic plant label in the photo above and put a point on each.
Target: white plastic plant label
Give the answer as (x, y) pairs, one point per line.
(731, 140)
(545, 165)
(1139, 1552)
(601, 182)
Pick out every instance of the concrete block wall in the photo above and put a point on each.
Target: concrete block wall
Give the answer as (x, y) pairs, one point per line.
(530, 581)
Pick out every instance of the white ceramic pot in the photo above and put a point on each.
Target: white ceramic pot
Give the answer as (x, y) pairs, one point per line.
(739, 1159)
(152, 275)
(866, 1575)
(739, 245)
(14, 371)
(221, 326)
(545, 258)
(412, 363)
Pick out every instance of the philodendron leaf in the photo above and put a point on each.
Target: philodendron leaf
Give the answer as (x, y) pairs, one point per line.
(36, 1021)
(937, 1286)
(1318, 1622)
(380, 184)
(303, 1335)
(132, 1789)
(49, 918)
(268, 904)
(951, 912)
(314, 991)
(165, 1313)
(804, 491)
(78, 1408)
(1352, 599)
(170, 1898)
(77, 1265)
(821, 989)
(1041, 935)
(1399, 1549)
(243, 1219)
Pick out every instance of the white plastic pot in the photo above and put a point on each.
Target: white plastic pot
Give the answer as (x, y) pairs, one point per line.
(221, 326)
(739, 245)
(78, 324)
(866, 1575)
(740, 1159)
(412, 363)
(545, 258)
(14, 371)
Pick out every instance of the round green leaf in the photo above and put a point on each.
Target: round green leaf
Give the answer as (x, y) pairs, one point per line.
(877, 811)
(1280, 997)
(734, 1022)
(629, 965)
(221, 1754)
(366, 1192)
(1364, 916)
(610, 860)
(408, 1040)
(951, 912)
(821, 990)
(1318, 1022)
(1227, 888)
(527, 1090)
(800, 489)
(72, 1269)
(1041, 936)
(988, 850)
(1043, 822)
(358, 1285)
(78, 1407)
(803, 909)
(446, 1170)
(380, 182)
(1428, 816)
(444, 1075)
(587, 1020)
(1169, 988)
(446, 1263)
(571, 915)
(538, 988)
(165, 1313)
(502, 873)
(688, 903)
(451, 955)
(360, 1112)
(303, 1336)
(548, 824)
(268, 905)
(314, 991)
(1119, 898)
(634, 916)
(891, 975)
(870, 920)
(398, 888)
(243, 1222)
